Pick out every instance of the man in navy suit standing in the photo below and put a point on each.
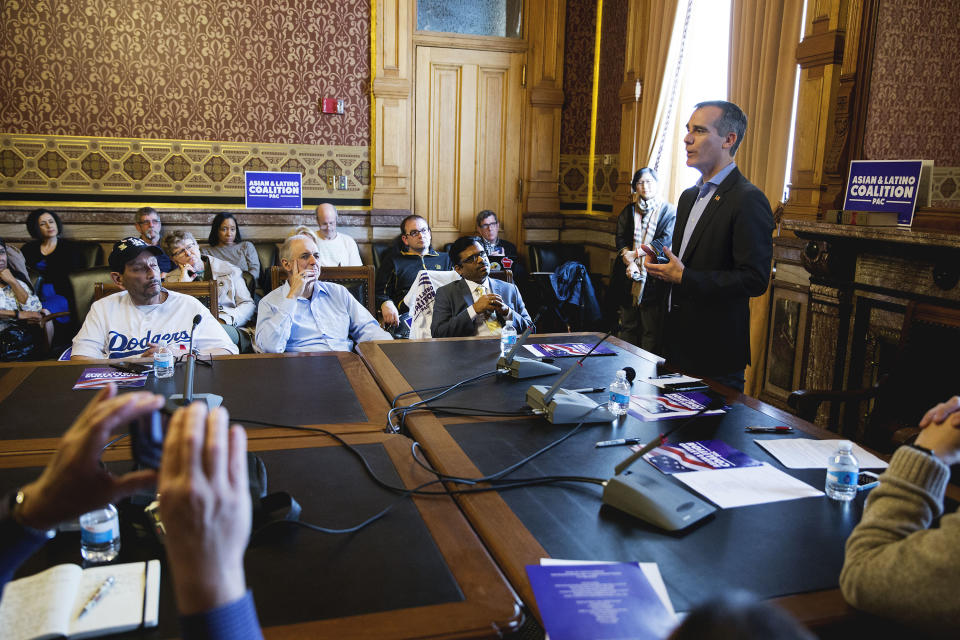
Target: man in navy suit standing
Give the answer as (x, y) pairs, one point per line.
(722, 250)
(475, 305)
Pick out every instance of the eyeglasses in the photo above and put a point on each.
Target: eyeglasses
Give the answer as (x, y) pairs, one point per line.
(306, 256)
(490, 224)
(416, 233)
(183, 249)
(480, 255)
(204, 359)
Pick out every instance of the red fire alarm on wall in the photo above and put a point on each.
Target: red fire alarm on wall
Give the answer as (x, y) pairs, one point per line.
(331, 105)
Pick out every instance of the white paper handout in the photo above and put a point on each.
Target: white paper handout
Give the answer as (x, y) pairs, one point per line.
(806, 453)
(729, 488)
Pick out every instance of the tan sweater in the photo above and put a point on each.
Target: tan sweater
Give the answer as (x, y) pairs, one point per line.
(896, 566)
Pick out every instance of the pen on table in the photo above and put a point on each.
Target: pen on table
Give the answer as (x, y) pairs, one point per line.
(590, 390)
(769, 429)
(98, 596)
(617, 443)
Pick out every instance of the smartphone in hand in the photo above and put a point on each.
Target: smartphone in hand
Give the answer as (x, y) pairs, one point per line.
(655, 251)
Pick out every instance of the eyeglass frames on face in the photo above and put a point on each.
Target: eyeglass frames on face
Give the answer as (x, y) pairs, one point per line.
(183, 249)
(480, 255)
(416, 233)
(490, 225)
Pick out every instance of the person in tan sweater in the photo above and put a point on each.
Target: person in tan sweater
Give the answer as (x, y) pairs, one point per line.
(896, 566)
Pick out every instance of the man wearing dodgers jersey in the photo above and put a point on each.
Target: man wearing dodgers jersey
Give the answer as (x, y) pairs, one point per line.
(130, 323)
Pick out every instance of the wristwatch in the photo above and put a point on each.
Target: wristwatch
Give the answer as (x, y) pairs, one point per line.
(16, 504)
(929, 452)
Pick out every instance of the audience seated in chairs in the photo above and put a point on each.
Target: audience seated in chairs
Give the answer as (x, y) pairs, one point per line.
(236, 306)
(336, 249)
(129, 324)
(308, 314)
(399, 271)
(54, 258)
(26, 330)
(227, 243)
(474, 304)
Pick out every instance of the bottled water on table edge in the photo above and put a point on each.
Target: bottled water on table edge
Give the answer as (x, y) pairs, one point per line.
(163, 361)
(508, 338)
(619, 394)
(100, 534)
(842, 471)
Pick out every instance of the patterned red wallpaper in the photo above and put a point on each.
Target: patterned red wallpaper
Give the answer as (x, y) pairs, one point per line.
(579, 32)
(613, 45)
(915, 86)
(229, 70)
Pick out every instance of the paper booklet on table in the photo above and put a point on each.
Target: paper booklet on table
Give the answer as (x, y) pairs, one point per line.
(807, 453)
(670, 405)
(700, 455)
(568, 350)
(585, 601)
(47, 604)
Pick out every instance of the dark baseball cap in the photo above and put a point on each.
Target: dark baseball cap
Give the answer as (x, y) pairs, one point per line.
(127, 250)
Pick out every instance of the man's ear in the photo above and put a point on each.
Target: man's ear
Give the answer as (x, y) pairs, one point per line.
(729, 140)
(117, 279)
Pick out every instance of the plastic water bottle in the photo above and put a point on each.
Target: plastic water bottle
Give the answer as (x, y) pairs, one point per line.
(100, 535)
(508, 338)
(842, 470)
(163, 361)
(619, 395)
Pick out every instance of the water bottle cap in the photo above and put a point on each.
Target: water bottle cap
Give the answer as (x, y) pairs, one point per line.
(845, 445)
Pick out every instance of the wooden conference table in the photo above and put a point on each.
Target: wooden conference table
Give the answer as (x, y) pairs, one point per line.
(420, 571)
(789, 551)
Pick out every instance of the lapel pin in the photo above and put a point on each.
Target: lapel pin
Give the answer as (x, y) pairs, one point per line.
(717, 198)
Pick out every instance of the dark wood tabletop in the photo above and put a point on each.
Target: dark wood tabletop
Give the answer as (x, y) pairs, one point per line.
(38, 403)
(790, 551)
(420, 571)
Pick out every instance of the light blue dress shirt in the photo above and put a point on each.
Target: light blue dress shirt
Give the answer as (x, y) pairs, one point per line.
(331, 320)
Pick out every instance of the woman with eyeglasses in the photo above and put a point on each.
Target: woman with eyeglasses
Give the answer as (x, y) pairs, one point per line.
(226, 243)
(233, 297)
(54, 258)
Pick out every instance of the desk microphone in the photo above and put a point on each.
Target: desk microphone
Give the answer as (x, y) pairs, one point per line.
(563, 406)
(187, 396)
(648, 495)
(519, 367)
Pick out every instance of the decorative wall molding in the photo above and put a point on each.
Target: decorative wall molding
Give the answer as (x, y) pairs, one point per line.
(178, 170)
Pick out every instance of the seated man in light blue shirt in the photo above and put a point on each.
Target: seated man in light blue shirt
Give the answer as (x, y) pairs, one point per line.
(307, 314)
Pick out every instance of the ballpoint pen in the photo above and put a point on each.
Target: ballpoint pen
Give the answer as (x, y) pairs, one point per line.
(616, 443)
(98, 596)
(769, 429)
(589, 390)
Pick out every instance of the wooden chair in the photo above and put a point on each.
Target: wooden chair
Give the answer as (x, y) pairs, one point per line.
(204, 291)
(359, 282)
(923, 374)
(503, 274)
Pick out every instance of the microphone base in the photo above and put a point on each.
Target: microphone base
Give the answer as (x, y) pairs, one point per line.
(567, 407)
(213, 400)
(522, 367)
(650, 496)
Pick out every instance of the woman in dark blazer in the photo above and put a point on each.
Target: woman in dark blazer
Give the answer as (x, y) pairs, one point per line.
(54, 258)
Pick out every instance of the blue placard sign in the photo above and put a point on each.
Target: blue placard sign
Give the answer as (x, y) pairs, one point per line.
(273, 190)
(884, 185)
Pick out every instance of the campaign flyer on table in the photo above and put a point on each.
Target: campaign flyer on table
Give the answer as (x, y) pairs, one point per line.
(568, 350)
(99, 377)
(598, 601)
(663, 406)
(702, 455)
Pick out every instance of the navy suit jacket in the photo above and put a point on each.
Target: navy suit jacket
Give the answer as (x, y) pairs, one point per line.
(450, 317)
(726, 262)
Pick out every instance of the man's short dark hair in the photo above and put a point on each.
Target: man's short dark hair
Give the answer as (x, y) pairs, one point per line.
(143, 212)
(459, 246)
(33, 223)
(732, 120)
(639, 174)
(412, 216)
(486, 213)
